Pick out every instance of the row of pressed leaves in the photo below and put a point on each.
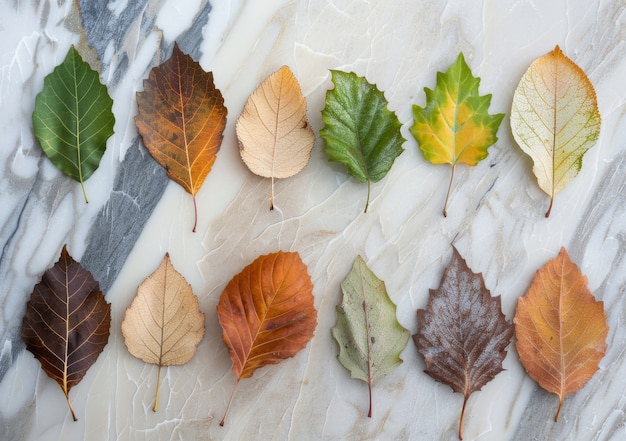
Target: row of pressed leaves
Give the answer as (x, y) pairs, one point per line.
(267, 315)
(181, 118)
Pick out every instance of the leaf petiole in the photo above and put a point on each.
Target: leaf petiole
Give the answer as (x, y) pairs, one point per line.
(67, 398)
(195, 213)
(445, 204)
(82, 184)
(158, 387)
(462, 417)
(230, 401)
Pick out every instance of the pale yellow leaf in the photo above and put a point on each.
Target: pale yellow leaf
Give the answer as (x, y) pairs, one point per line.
(163, 325)
(555, 119)
(275, 140)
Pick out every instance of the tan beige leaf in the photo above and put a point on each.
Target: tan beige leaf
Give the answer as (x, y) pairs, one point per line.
(561, 329)
(163, 325)
(275, 140)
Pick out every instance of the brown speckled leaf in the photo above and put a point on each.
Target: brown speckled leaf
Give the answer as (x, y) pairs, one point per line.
(67, 321)
(463, 332)
(266, 312)
(181, 117)
(561, 329)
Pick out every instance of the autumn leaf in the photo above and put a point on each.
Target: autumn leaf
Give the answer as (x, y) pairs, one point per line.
(369, 336)
(163, 325)
(360, 131)
(555, 119)
(275, 140)
(181, 117)
(72, 119)
(560, 328)
(463, 333)
(455, 126)
(266, 313)
(67, 321)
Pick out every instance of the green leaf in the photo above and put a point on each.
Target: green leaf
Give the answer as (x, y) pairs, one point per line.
(360, 131)
(73, 118)
(369, 335)
(455, 126)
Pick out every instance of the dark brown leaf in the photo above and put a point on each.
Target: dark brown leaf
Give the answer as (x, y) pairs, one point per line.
(67, 321)
(463, 333)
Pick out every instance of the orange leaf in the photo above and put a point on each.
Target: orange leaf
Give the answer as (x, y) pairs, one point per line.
(181, 117)
(266, 312)
(560, 328)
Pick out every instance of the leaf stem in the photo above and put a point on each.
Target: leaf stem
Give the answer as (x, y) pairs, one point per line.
(367, 202)
(550, 207)
(272, 195)
(158, 387)
(462, 417)
(195, 212)
(558, 411)
(229, 403)
(67, 397)
(82, 184)
(445, 204)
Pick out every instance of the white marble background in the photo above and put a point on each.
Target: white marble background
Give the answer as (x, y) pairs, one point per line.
(495, 215)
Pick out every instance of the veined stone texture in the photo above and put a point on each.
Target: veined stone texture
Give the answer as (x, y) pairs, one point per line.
(135, 215)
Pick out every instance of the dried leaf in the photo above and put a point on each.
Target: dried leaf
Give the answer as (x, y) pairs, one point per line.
(73, 119)
(266, 313)
(181, 117)
(67, 321)
(163, 325)
(555, 119)
(455, 126)
(369, 335)
(275, 140)
(561, 329)
(463, 333)
(360, 131)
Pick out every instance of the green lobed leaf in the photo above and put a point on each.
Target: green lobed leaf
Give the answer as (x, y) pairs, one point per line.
(455, 125)
(360, 131)
(73, 118)
(369, 335)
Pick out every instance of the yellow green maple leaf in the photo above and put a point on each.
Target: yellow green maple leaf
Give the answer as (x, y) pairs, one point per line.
(455, 125)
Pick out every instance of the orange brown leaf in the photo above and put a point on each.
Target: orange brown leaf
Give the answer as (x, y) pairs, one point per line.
(267, 313)
(181, 118)
(67, 322)
(561, 329)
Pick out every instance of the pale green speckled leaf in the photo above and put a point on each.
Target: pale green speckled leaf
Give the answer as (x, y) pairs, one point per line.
(368, 333)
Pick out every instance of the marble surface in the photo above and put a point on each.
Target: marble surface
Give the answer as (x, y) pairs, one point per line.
(136, 215)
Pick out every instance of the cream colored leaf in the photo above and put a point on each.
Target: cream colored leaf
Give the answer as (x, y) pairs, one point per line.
(163, 325)
(275, 140)
(555, 119)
